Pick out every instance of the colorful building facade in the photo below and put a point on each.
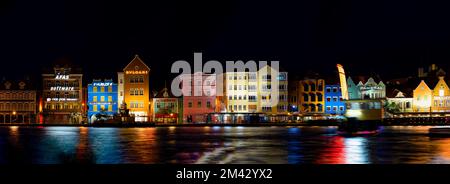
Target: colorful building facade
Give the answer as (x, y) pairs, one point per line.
(366, 90)
(197, 107)
(102, 100)
(423, 97)
(166, 108)
(333, 100)
(136, 90)
(441, 96)
(312, 96)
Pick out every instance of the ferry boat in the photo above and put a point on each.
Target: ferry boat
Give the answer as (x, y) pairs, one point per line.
(363, 117)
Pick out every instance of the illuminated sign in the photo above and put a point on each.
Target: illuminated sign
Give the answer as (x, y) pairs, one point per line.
(62, 77)
(103, 84)
(371, 88)
(62, 99)
(60, 88)
(136, 72)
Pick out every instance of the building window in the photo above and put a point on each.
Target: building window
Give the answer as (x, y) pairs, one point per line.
(95, 98)
(199, 104)
(110, 108)
(102, 107)
(95, 108)
(109, 98)
(328, 90)
(94, 89)
(245, 107)
(335, 99)
(109, 89)
(334, 89)
(102, 89)
(341, 108)
(328, 108)
(141, 92)
(121, 93)
(208, 104)
(334, 108)
(190, 104)
(102, 98)
(328, 99)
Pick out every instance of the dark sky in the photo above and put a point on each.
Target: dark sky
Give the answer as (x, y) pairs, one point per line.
(387, 37)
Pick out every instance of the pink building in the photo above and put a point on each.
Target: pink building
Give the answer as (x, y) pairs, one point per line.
(199, 97)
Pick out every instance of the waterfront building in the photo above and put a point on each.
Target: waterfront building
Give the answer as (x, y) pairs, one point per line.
(250, 93)
(198, 107)
(166, 107)
(102, 100)
(312, 96)
(353, 91)
(62, 95)
(17, 102)
(441, 96)
(333, 100)
(135, 89)
(399, 102)
(366, 89)
(423, 96)
(265, 84)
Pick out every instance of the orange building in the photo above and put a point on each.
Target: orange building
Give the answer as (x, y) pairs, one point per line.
(136, 91)
(441, 96)
(423, 96)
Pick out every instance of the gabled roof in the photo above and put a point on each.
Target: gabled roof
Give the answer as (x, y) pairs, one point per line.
(164, 93)
(136, 59)
(423, 83)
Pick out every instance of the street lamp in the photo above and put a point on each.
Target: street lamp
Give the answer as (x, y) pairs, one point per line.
(14, 115)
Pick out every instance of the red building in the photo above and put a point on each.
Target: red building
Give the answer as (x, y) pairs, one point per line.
(199, 97)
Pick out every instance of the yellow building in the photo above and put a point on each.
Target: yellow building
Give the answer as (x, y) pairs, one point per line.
(136, 92)
(250, 92)
(441, 96)
(312, 92)
(423, 97)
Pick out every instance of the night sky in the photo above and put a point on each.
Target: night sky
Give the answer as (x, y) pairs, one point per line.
(386, 37)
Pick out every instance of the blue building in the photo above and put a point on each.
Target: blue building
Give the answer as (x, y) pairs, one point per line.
(333, 100)
(102, 100)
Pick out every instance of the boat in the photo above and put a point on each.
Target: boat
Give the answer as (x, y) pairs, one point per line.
(363, 117)
(439, 131)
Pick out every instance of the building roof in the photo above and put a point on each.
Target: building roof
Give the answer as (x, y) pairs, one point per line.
(164, 93)
(137, 59)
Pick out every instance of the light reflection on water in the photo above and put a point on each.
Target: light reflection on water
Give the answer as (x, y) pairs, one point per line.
(221, 145)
